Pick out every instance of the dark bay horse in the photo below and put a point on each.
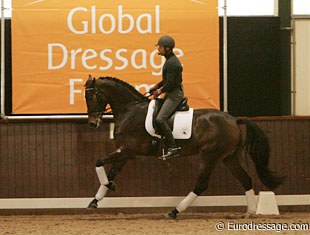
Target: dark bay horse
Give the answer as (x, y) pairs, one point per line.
(216, 136)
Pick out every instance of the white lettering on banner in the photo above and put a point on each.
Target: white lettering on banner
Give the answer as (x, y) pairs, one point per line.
(143, 56)
(112, 27)
(50, 56)
(148, 18)
(73, 56)
(107, 59)
(87, 55)
(72, 81)
(70, 21)
(122, 59)
(138, 58)
(107, 22)
(120, 22)
(93, 18)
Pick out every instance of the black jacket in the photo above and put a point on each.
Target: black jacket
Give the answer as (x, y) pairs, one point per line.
(172, 74)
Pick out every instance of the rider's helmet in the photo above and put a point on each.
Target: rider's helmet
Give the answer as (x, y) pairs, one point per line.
(166, 41)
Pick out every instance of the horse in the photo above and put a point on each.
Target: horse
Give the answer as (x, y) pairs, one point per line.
(216, 136)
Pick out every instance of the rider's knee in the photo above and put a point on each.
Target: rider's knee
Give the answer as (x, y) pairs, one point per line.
(159, 120)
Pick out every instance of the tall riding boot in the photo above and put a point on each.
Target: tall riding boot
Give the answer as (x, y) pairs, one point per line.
(173, 150)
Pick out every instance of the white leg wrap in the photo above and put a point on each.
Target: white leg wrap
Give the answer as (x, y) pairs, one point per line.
(251, 201)
(102, 175)
(102, 191)
(186, 202)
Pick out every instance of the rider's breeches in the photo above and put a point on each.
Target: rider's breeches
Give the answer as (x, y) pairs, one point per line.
(172, 100)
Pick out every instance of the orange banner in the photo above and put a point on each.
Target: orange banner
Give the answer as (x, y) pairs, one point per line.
(56, 44)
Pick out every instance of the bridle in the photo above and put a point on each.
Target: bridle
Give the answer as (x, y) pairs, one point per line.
(100, 102)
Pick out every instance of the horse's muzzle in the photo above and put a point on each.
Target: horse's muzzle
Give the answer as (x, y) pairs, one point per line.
(93, 124)
(95, 121)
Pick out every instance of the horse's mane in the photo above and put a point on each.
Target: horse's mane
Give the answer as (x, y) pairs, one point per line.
(124, 84)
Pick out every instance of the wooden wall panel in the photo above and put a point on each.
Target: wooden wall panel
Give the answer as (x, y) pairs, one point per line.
(57, 159)
(4, 161)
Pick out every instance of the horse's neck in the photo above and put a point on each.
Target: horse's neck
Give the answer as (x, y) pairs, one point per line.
(117, 105)
(132, 113)
(120, 99)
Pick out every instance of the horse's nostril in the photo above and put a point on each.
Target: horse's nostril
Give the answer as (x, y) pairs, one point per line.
(93, 124)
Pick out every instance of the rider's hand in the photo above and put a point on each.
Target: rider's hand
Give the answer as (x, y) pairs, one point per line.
(157, 93)
(153, 89)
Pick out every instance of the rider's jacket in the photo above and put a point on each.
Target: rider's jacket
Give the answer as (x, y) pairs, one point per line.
(172, 74)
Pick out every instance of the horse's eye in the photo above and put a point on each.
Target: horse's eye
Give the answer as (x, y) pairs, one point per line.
(89, 96)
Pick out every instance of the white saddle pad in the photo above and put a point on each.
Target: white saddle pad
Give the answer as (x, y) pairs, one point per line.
(182, 125)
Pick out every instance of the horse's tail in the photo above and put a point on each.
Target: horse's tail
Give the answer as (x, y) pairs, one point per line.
(257, 146)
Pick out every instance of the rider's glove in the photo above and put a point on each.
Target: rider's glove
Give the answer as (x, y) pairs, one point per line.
(153, 89)
(157, 93)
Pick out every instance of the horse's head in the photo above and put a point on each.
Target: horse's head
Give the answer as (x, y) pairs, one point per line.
(96, 102)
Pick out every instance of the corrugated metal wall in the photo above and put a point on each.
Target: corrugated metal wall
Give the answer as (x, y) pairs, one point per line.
(57, 159)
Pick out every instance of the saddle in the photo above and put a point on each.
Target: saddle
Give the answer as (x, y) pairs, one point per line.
(183, 106)
(180, 123)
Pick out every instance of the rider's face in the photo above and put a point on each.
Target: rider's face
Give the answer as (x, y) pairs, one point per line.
(161, 50)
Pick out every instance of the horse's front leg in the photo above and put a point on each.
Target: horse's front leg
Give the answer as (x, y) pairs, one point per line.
(118, 159)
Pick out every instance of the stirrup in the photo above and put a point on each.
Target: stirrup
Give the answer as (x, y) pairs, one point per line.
(172, 152)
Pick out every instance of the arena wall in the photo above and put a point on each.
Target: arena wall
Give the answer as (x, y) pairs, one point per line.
(56, 159)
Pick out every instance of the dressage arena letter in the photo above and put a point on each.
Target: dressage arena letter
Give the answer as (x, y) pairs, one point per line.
(107, 22)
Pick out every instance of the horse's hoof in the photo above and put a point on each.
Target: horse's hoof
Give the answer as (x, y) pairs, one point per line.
(172, 215)
(92, 205)
(248, 215)
(112, 186)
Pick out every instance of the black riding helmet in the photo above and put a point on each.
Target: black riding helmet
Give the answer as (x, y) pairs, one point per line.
(166, 41)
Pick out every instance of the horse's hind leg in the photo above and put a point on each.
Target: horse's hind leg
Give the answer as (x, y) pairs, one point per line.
(233, 164)
(207, 163)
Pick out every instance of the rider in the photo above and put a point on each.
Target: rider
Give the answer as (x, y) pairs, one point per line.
(171, 85)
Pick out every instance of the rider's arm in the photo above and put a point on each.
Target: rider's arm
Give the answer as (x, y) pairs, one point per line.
(160, 84)
(172, 77)
(156, 87)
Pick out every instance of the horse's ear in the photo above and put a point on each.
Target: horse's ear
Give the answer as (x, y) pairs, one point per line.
(90, 77)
